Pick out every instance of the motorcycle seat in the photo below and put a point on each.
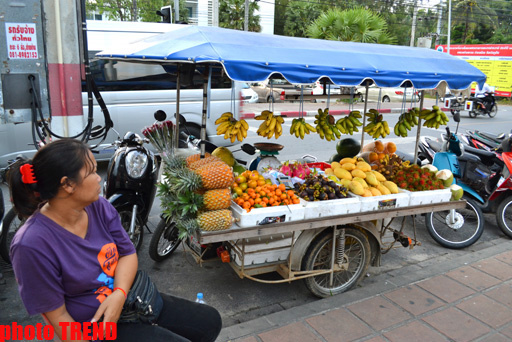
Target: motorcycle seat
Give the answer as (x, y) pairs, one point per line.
(496, 138)
(434, 145)
(487, 158)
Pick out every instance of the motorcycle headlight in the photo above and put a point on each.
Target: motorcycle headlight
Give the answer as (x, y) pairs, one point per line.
(136, 163)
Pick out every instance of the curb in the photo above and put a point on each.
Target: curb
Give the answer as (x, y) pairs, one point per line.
(381, 284)
(295, 114)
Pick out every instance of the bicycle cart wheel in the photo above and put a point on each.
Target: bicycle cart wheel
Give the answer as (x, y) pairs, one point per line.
(138, 234)
(165, 240)
(355, 260)
(494, 111)
(461, 230)
(10, 225)
(504, 216)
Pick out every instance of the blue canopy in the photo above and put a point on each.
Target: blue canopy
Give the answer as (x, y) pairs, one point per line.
(253, 57)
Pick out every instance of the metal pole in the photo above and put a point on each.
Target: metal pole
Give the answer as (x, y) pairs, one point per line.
(413, 29)
(364, 113)
(438, 30)
(418, 130)
(176, 10)
(246, 16)
(178, 87)
(215, 15)
(449, 24)
(205, 110)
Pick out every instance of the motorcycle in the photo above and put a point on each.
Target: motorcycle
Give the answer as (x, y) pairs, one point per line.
(474, 105)
(166, 237)
(130, 183)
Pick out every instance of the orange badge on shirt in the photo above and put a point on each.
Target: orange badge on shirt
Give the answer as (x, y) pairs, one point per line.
(107, 258)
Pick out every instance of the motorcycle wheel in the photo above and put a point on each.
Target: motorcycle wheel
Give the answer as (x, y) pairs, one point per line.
(10, 225)
(467, 229)
(494, 111)
(356, 258)
(138, 234)
(165, 240)
(504, 216)
(472, 114)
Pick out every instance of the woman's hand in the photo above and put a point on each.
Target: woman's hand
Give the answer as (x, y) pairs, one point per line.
(111, 308)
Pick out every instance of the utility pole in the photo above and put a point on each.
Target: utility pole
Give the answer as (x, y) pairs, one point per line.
(215, 19)
(449, 24)
(439, 18)
(413, 29)
(176, 10)
(246, 19)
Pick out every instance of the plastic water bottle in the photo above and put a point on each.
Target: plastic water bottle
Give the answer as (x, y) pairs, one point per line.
(200, 299)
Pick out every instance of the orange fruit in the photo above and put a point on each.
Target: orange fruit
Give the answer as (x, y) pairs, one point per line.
(373, 157)
(390, 147)
(252, 184)
(379, 146)
(243, 186)
(238, 190)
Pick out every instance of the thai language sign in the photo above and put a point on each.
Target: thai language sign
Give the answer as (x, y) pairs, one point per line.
(21, 40)
(494, 60)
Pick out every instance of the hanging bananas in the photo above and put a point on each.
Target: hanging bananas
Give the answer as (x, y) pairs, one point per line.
(434, 118)
(406, 121)
(300, 128)
(325, 125)
(271, 126)
(231, 128)
(376, 127)
(349, 124)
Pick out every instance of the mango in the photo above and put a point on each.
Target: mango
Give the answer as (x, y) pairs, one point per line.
(348, 166)
(356, 188)
(329, 171)
(375, 191)
(371, 179)
(393, 188)
(342, 173)
(345, 182)
(335, 165)
(367, 193)
(348, 160)
(383, 190)
(363, 166)
(380, 177)
(358, 173)
(360, 180)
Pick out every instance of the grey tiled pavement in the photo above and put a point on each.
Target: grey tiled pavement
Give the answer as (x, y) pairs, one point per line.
(468, 298)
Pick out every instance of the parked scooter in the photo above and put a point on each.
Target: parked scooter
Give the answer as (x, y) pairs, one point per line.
(482, 106)
(130, 184)
(166, 238)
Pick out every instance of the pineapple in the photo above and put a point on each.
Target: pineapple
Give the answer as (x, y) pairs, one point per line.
(196, 157)
(175, 163)
(208, 221)
(216, 175)
(217, 199)
(183, 179)
(206, 160)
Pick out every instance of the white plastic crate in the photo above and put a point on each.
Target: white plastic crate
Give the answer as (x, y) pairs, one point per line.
(430, 196)
(261, 250)
(260, 216)
(401, 199)
(341, 206)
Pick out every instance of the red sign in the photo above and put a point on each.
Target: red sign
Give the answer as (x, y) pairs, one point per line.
(480, 50)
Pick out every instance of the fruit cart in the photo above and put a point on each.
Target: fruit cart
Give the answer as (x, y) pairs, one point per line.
(329, 244)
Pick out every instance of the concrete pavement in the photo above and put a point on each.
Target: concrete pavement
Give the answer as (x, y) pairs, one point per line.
(468, 298)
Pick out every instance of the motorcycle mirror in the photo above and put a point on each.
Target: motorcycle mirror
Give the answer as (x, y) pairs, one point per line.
(456, 116)
(160, 115)
(96, 131)
(249, 149)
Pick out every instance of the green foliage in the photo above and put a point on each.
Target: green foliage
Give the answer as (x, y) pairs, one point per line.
(124, 10)
(232, 15)
(299, 15)
(355, 25)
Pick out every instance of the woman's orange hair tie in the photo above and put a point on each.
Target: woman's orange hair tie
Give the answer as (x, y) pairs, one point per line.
(27, 174)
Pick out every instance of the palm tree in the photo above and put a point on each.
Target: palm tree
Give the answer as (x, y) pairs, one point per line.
(355, 25)
(232, 15)
(471, 13)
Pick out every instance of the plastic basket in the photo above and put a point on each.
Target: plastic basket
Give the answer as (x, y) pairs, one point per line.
(261, 216)
(319, 165)
(399, 200)
(341, 206)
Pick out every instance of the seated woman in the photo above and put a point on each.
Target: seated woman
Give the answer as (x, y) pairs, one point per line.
(73, 260)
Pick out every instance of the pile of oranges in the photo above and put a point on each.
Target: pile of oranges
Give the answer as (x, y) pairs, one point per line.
(252, 191)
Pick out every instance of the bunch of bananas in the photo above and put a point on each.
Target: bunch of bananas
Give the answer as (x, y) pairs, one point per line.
(349, 124)
(376, 127)
(300, 128)
(325, 125)
(271, 124)
(434, 118)
(231, 128)
(406, 121)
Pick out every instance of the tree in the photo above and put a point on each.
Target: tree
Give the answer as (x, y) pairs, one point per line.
(133, 10)
(232, 15)
(355, 25)
(299, 15)
(472, 13)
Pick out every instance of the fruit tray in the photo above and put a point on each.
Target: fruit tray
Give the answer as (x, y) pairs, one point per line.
(430, 196)
(399, 200)
(341, 206)
(261, 216)
(261, 249)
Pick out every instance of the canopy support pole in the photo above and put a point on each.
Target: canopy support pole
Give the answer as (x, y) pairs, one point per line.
(366, 85)
(418, 131)
(177, 114)
(205, 110)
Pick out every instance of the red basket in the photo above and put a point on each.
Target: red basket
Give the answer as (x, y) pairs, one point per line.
(319, 165)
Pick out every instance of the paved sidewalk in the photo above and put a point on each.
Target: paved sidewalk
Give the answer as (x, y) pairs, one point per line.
(466, 299)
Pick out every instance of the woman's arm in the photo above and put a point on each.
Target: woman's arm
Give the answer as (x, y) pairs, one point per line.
(61, 315)
(112, 306)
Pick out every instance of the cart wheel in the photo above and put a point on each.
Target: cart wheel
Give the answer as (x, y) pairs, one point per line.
(494, 111)
(10, 225)
(463, 230)
(356, 258)
(126, 219)
(165, 240)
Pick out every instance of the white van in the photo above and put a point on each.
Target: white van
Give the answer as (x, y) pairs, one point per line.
(134, 91)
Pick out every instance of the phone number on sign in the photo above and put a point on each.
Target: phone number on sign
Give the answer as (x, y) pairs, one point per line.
(22, 54)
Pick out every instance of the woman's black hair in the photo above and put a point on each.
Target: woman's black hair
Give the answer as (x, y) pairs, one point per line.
(60, 158)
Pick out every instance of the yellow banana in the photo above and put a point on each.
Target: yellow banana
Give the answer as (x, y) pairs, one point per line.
(244, 124)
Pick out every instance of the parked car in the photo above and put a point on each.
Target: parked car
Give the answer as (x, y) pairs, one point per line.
(318, 89)
(247, 94)
(278, 90)
(389, 94)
